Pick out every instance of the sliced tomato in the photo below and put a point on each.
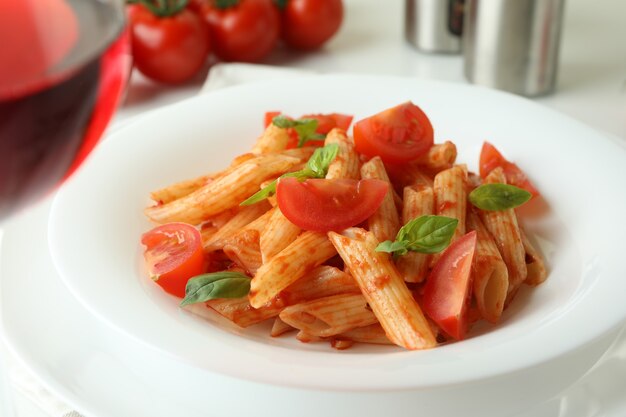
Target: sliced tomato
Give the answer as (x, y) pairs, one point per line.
(447, 290)
(324, 205)
(398, 135)
(269, 116)
(327, 122)
(173, 255)
(491, 158)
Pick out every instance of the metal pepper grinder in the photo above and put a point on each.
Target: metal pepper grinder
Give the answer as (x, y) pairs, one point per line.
(513, 45)
(434, 25)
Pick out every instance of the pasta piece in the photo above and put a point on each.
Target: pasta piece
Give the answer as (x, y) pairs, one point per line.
(535, 266)
(303, 154)
(309, 250)
(384, 223)
(305, 337)
(451, 196)
(240, 312)
(240, 159)
(414, 266)
(207, 231)
(226, 192)
(329, 316)
(321, 282)
(243, 249)
(273, 139)
(277, 235)
(502, 225)
(373, 333)
(439, 157)
(491, 278)
(340, 344)
(181, 189)
(245, 216)
(383, 288)
(280, 327)
(346, 163)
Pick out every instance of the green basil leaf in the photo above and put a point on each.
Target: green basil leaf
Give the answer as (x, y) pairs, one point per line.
(320, 160)
(494, 197)
(428, 234)
(305, 128)
(216, 285)
(316, 167)
(262, 194)
(397, 248)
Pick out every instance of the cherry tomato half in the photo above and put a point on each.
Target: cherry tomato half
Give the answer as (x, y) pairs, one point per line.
(246, 30)
(308, 24)
(173, 255)
(324, 205)
(398, 135)
(168, 49)
(491, 158)
(447, 290)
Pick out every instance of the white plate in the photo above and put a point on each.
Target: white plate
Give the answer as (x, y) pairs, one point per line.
(97, 219)
(102, 373)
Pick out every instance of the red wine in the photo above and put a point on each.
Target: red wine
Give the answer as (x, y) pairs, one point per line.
(67, 65)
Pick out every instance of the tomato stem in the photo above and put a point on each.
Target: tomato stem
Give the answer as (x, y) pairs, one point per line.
(225, 4)
(162, 8)
(281, 4)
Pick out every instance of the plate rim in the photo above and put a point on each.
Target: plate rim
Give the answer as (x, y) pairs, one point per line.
(273, 380)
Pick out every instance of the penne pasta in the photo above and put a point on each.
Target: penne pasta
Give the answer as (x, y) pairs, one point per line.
(240, 312)
(280, 327)
(373, 333)
(329, 316)
(383, 288)
(490, 276)
(384, 223)
(181, 189)
(273, 139)
(503, 227)
(226, 192)
(451, 196)
(289, 265)
(277, 235)
(346, 163)
(535, 266)
(243, 250)
(413, 266)
(244, 216)
(439, 157)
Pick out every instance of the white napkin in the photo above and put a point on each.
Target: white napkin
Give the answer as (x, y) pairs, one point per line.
(220, 76)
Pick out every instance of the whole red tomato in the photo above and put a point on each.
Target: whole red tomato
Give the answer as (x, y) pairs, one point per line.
(242, 30)
(308, 24)
(170, 49)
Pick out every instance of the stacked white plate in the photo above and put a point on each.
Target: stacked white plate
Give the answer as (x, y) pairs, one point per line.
(128, 350)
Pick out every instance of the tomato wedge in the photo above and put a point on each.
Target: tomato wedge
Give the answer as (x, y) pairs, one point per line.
(173, 255)
(324, 205)
(491, 158)
(447, 291)
(398, 135)
(326, 123)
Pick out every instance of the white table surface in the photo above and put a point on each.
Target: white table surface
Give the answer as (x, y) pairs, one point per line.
(591, 77)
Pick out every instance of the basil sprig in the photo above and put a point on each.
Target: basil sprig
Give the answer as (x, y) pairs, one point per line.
(305, 128)
(316, 167)
(494, 197)
(216, 285)
(425, 234)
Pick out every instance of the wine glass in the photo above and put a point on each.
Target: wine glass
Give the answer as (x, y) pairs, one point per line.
(63, 67)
